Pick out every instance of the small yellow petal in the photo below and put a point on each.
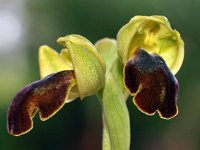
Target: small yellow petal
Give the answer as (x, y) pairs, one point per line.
(51, 62)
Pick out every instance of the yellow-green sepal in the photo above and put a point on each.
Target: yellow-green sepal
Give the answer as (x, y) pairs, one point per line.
(125, 35)
(107, 48)
(154, 34)
(88, 65)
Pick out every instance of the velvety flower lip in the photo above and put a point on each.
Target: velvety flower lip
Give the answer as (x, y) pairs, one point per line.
(47, 96)
(154, 87)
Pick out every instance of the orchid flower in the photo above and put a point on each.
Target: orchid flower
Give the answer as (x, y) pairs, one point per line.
(152, 53)
(78, 71)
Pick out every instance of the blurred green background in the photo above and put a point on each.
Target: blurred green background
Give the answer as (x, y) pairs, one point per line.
(27, 24)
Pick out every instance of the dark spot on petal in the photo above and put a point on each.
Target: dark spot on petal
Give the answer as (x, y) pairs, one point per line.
(155, 87)
(47, 96)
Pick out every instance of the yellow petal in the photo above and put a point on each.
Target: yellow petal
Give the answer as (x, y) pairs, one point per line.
(51, 62)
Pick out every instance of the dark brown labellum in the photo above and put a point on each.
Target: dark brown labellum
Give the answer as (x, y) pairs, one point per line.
(154, 87)
(47, 96)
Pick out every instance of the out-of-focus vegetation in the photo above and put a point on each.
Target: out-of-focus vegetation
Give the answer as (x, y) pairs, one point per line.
(25, 25)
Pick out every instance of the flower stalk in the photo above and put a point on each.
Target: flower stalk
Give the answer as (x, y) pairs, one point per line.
(116, 123)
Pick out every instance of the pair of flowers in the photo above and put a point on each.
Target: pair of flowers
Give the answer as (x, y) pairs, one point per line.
(150, 52)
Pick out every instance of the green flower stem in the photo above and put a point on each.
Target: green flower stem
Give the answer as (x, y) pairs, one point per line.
(116, 124)
(106, 137)
(116, 130)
